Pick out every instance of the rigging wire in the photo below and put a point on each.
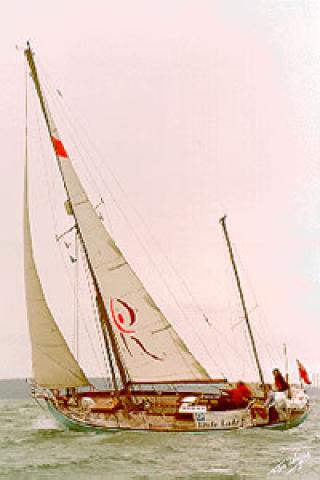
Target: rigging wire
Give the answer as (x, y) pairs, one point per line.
(47, 354)
(120, 209)
(76, 298)
(237, 318)
(50, 196)
(108, 362)
(50, 128)
(150, 259)
(53, 95)
(261, 336)
(147, 253)
(272, 352)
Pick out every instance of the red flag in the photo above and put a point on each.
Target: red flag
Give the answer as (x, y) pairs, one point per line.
(303, 374)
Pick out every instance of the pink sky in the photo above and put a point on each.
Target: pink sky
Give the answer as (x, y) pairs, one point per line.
(200, 108)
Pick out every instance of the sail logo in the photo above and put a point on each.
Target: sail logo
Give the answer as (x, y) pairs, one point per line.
(123, 321)
(124, 318)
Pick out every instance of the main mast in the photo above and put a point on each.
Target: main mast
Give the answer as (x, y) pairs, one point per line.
(243, 303)
(109, 339)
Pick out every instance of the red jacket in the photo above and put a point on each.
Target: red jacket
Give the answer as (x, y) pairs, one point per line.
(240, 395)
(280, 383)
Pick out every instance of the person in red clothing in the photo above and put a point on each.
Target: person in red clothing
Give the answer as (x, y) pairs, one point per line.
(280, 383)
(239, 396)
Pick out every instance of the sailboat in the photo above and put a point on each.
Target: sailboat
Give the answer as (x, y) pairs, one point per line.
(157, 384)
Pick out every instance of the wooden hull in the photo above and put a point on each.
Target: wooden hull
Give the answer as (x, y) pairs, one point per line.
(100, 419)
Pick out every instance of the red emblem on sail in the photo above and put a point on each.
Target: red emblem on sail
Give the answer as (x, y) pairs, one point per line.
(124, 320)
(59, 148)
(120, 320)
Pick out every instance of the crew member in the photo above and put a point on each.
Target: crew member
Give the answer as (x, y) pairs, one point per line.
(279, 381)
(239, 396)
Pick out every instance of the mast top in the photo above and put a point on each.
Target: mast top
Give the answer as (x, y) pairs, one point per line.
(28, 48)
(222, 220)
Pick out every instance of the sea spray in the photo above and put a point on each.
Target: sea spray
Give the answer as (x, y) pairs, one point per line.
(45, 423)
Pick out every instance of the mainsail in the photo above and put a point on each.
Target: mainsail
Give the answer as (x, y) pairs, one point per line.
(150, 348)
(147, 344)
(53, 364)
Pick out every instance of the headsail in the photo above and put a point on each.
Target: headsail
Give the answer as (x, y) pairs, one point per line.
(53, 364)
(148, 345)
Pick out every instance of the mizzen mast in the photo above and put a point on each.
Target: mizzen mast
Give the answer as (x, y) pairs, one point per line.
(242, 299)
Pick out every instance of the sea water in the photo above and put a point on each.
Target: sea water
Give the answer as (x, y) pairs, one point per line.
(32, 446)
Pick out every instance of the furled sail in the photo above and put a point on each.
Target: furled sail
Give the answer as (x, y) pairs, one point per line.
(149, 347)
(53, 364)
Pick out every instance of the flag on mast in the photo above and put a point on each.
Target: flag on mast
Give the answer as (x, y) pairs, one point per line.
(303, 374)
